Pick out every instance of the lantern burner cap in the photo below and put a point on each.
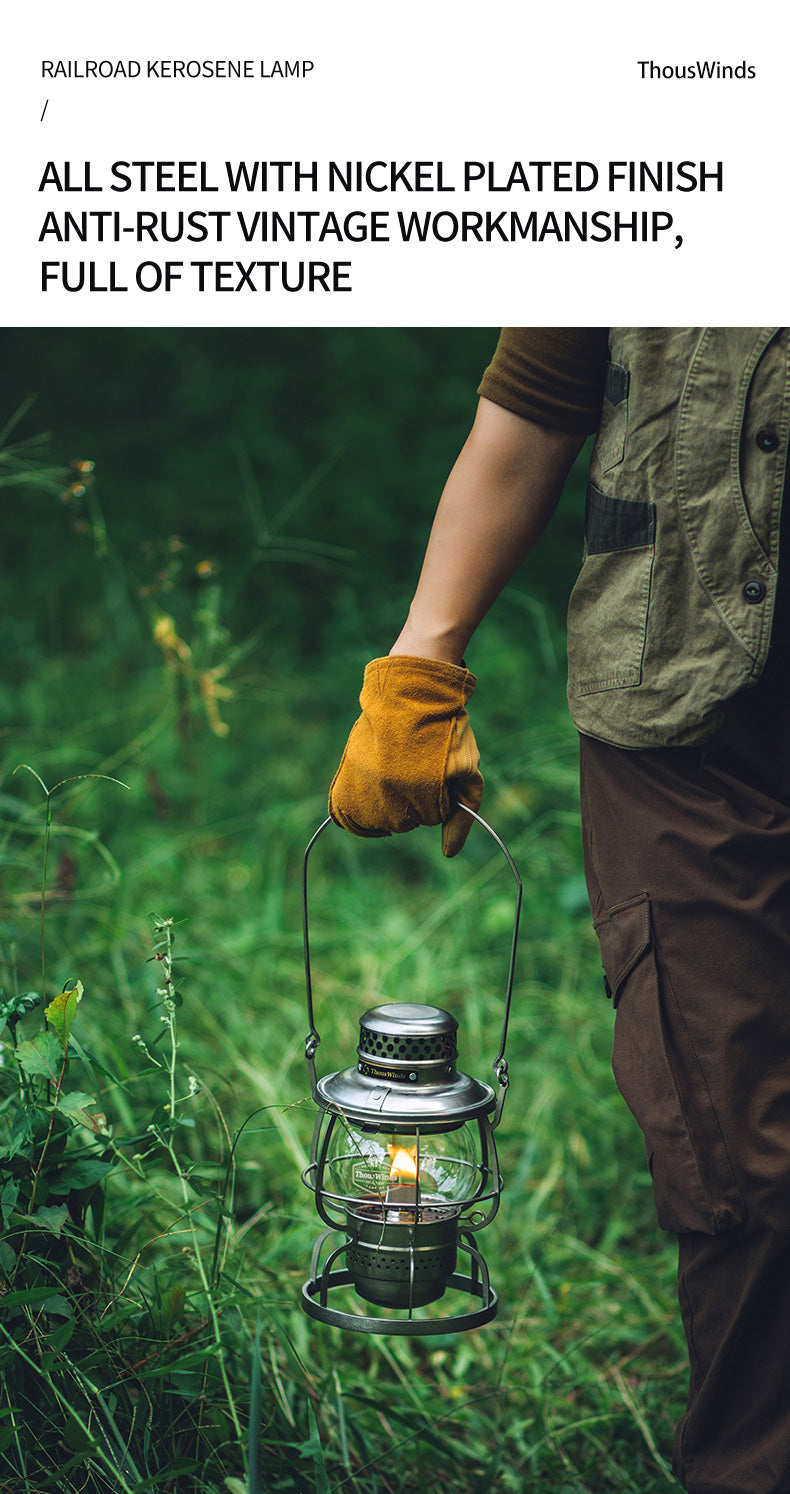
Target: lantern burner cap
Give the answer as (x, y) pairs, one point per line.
(405, 1074)
(404, 1039)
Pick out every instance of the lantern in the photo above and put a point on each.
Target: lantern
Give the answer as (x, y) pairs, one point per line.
(403, 1164)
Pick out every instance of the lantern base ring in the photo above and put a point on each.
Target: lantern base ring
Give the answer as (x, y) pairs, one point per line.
(315, 1292)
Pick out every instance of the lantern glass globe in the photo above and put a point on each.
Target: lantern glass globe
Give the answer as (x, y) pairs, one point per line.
(439, 1169)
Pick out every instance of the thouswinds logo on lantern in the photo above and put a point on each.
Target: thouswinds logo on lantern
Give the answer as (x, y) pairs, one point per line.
(371, 1178)
(376, 1071)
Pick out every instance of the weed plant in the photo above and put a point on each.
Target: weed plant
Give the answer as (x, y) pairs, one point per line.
(154, 1128)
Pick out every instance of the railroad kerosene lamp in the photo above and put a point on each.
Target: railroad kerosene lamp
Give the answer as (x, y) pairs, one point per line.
(403, 1163)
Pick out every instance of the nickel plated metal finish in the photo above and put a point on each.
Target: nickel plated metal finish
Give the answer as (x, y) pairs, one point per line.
(313, 1039)
(404, 1255)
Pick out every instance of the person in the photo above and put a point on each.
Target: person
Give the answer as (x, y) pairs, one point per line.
(679, 651)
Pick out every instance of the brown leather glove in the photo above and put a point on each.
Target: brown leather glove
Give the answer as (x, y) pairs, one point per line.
(411, 755)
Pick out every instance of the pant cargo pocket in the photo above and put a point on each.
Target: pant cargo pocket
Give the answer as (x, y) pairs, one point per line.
(660, 1078)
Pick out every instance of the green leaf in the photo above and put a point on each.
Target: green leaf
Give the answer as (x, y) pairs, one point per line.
(58, 1306)
(50, 1217)
(317, 1451)
(75, 1105)
(91, 1060)
(8, 1199)
(61, 1012)
(21, 1133)
(204, 1186)
(76, 1437)
(74, 1102)
(42, 1055)
(79, 1174)
(172, 1307)
(256, 1414)
(195, 1360)
(16, 1006)
(27, 1297)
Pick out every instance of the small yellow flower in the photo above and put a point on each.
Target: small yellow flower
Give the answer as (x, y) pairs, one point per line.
(212, 692)
(171, 645)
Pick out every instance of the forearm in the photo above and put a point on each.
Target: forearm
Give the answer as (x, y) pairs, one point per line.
(497, 500)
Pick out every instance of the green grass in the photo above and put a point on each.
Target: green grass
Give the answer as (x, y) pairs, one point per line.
(157, 1340)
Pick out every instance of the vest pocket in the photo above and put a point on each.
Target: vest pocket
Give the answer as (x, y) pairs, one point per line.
(659, 1076)
(610, 443)
(607, 612)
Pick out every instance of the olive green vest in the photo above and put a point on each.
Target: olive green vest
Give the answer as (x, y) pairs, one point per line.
(671, 614)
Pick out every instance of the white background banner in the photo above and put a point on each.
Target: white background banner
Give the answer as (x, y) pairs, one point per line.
(425, 164)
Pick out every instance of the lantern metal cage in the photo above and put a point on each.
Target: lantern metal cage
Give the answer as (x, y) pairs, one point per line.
(403, 1162)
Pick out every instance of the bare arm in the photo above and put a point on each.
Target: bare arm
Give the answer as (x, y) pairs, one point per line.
(411, 758)
(496, 503)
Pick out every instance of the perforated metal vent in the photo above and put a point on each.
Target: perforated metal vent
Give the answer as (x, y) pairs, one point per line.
(440, 1047)
(406, 1033)
(365, 1260)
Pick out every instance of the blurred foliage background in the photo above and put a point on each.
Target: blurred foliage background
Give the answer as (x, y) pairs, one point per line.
(237, 440)
(219, 531)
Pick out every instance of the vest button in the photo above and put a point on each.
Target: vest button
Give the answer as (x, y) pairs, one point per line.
(754, 591)
(766, 439)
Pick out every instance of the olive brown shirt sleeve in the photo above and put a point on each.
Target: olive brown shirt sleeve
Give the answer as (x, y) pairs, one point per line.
(551, 375)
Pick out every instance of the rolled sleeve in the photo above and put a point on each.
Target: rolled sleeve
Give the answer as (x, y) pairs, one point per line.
(551, 375)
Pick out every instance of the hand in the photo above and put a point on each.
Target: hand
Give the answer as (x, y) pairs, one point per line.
(412, 756)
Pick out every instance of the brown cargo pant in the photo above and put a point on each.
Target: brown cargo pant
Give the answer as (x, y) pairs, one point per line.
(687, 855)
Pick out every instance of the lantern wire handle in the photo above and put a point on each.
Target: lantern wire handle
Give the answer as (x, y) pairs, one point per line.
(313, 1039)
(500, 1062)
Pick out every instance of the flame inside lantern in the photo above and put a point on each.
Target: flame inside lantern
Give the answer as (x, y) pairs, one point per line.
(404, 1162)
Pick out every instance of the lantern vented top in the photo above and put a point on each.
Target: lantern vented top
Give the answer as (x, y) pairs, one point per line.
(405, 1071)
(402, 1037)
